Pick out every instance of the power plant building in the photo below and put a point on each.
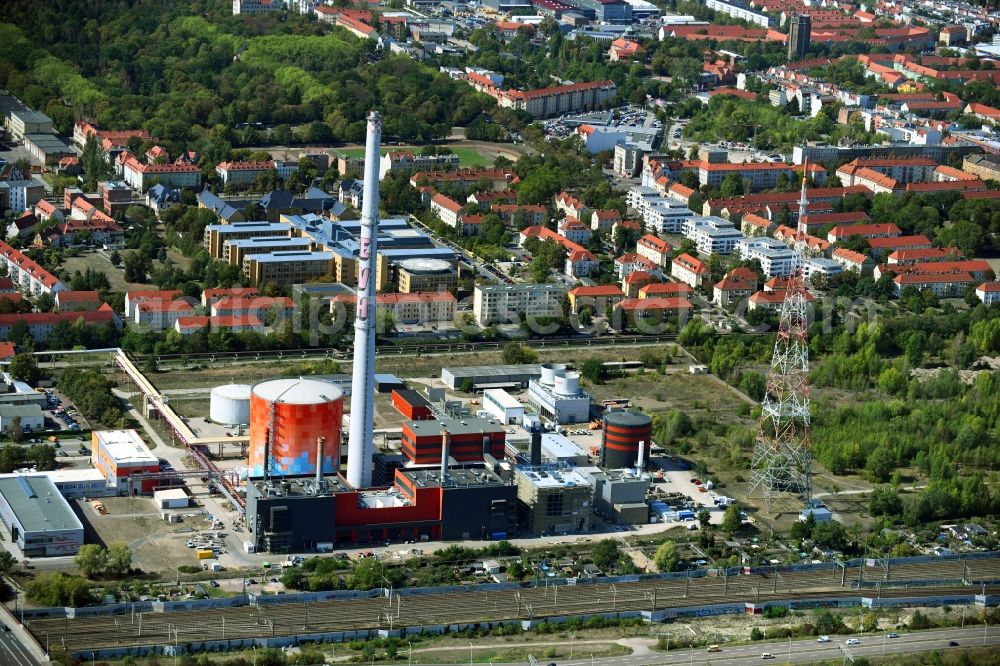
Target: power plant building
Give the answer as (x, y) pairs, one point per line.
(301, 514)
(503, 406)
(557, 395)
(482, 377)
(620, 495)
(471, 440)
(553, 499)
(121, 454)
(287, 419)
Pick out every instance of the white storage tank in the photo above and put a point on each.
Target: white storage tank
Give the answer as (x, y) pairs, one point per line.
(549, 371)
(230, 404)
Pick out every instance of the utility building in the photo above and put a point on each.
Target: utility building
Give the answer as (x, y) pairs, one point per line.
(39, 519)
(553, 499)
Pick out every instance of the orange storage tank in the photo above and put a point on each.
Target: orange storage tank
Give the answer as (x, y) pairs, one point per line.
(303, 410)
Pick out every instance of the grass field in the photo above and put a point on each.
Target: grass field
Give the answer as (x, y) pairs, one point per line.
(468, 157)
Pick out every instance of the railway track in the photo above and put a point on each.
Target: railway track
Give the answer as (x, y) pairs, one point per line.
(135, 630)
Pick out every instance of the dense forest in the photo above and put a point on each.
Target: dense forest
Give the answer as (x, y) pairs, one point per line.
(189, 74)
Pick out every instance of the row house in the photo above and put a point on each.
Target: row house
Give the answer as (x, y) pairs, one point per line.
(210, 297)
(78, 301)
(558, 100)
(735, 286)
(812, 223)
(843, 232)
(637, 280)
(943, 285)
(908, 170)
(447, 209)
(979, 269)
(190, 325)
(96, 231)
(753, 225)
(880, 246)
(909, 257)
(82, 130)
(29, 276)
(812, 246)
(630, 262)
(666, 290)
(776, 200)
(946, 173)
(640, 313)
(771, 301)
(655, 249)
(42, 324)
(761, 176)
(271, 308)
(598, 298)
(689, 270)
(985, 113)
(491, 197)
(498, 179)
(878, 183)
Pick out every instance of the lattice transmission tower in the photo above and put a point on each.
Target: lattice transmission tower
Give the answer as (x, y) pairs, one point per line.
(782, 458)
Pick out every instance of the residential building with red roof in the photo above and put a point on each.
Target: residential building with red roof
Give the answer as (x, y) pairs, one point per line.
(771, 301)
(532, 214)
(23, 226)
(242, 173)
(735, 285)
(499, 179)
(598, 298)
(45, 211)
(511, 29)
(689, 270)
(7, 351)
(270, 308)
(852, 261)
(602, 221)
(7, 286)
(29, 276)
(579, 260)
(987, 292)
(415, 308)
(762, 200)
(140, 176)
(843, 232)
(490, 197)
(979, 269)
(133, 298)
(814, 222)
(631, 262)
(734, 92)
(983, 112)
(356, 27)
(556, 100)
(648, 315)
(574, 230)
(881, 246)
(189, 325)
(948, 173)
(963, 186)
(77, 301)
(156, 315)
(210, 296)
(909, 257)
(655, 249)
(571, 205)
(666, 290)
(636, 280)
(42, 324)
(624, 49)
(943, 285)
(447, 209)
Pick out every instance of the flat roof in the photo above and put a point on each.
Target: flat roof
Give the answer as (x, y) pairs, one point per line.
(456, 477)
(249, 226)
(502, 398)
(529, 369)
(171, 494)
(560, 446)
(296, 487)
(13, 411)
(552, 476)
(37, 504)
(49, 143)
(28, 116)
(290, 255)
(465, 426)
(75, 475)
(275, 241)
(125, 447)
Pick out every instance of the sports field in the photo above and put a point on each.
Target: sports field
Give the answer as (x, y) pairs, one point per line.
(468, 157)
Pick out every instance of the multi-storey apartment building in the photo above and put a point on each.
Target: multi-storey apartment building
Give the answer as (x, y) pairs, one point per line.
(504, 304)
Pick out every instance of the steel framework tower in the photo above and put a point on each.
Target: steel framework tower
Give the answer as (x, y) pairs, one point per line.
(782, 458)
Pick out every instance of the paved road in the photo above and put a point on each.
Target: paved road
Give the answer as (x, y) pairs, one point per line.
(802, 651)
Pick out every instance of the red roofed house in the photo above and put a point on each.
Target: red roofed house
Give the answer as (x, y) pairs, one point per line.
(581, 262)
(42, 324)
(647, 315)
(511, 29)
(636, 280)
(852, 261)
(736, 285)
(598, 298)
(262, 307)
(570, 205)
(810, 224)
(77, 301)
(844, 232)
(666, 290)
(623, 49)
(602, 221)
(989, 293)
(655, 249)
(47, 211)
(983, 112)
(7, 351)
(882, 246)
(946, 173)
(573, 229)
(943, 285)
(133, 298)
(952, 35)
(689, 270)
(771, 300)
(910, 257)
(418, 307)
(29, 276)
(242, 173)
(356, 27)
(140, 176)
(449, 210)
(159, 315)
(553, 101)
(189, 325)
(210, 296)
(532, 214)
(631, 262)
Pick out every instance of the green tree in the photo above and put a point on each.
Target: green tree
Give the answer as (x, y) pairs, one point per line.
(91, 559)
(7, 561)
(606, 553)
(704, 518)
(59, 589)
(880, 464)
(731, 519)
(25, 368)
(515, 353)
(119, 558)
(369, 574)
(885, 501)
(666, 557)
(593, 370)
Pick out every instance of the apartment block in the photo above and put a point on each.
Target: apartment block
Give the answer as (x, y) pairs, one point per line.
(504, 304)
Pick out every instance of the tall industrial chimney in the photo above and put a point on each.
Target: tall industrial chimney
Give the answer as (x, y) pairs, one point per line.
(535, 452)
(640, 464)
(360, 445)
(320, 442)
(445, 453)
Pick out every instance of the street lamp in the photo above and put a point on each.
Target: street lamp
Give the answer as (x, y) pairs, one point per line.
(409, 654)
(470, 652)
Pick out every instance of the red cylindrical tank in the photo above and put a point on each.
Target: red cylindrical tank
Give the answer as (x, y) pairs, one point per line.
(622, 433)
(300, 410)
